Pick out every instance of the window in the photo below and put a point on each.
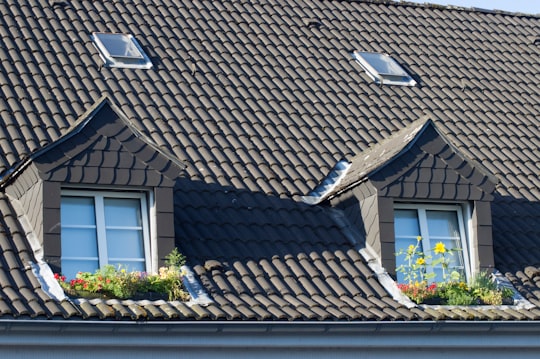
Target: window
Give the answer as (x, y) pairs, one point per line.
(434, 223)
(383, 69)
(121, 50)
(100, 228)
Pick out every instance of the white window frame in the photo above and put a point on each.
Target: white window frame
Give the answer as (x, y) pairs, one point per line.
(464, 220)
(99, 196)
(396, 77)
(137, 59)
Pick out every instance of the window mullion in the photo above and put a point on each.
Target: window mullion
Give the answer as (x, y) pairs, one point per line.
(101, 231)
(464, 242)
(146, 234)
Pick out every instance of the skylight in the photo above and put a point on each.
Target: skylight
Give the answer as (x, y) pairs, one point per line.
(383, 69)
(120, 50)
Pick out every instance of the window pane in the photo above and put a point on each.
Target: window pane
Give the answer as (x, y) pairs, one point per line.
(79, 242)
(78, 233)
(443, 227)
(442, 224)
(119, 45)
(122, 212)
(406, 223)
(125, 243)
(70, 268)
(407, 229)
(129, 266)
(77, 211)
(383, 64)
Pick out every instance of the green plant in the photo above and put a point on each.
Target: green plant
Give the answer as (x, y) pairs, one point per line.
(485, 288)
(417, 262)
(414, 269)
(492, 297)
(483, 280)
(116, 282)
(456, 293)
(175, 259)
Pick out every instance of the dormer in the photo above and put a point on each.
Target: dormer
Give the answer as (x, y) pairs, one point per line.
(417, 183)
(101, 194)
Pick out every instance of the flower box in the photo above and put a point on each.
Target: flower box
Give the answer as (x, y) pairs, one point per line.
(152, 296)
(418, 270)
(479, 292)
(110, 282)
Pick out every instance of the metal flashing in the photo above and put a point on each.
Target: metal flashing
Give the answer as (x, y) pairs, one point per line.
(328, 184)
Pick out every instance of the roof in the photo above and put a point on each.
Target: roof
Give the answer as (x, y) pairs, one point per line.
(347, 175)
(261, 100)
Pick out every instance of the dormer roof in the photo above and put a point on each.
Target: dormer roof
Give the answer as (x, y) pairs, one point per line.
(85, 153)
(402, 155)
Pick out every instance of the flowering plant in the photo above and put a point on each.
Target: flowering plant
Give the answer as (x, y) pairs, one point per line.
(482, 289)
(114, 282)
(419, 292)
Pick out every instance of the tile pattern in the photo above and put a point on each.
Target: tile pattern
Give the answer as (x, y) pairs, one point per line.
(261, 99)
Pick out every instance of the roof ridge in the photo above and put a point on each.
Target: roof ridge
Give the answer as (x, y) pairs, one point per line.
(429, 5)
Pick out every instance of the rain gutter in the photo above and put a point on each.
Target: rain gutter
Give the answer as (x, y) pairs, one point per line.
(239, 340)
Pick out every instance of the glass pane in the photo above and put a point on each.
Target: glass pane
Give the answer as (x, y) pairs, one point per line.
(383, 64)
(122, 212)
(79, 242)
(77, 211)
(407, 229)
(119, 45)
(442, 224)
(129, 266)
(71, 267)
(443, 227)
(406, 223)
(125, 244)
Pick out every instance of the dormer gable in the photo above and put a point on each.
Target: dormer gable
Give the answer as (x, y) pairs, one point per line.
(103, 147)
(417, 167)
(103, 155)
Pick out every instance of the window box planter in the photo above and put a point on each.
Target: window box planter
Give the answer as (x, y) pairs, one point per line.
(433, 277)
(479, 292)
(112, 283)
(443, 301)
(152, 296)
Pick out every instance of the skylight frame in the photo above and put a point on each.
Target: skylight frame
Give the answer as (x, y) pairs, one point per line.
(395, 75)
(130, 56)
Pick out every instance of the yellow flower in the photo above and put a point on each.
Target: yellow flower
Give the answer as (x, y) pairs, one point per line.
(419, 238)
(420, 261)
(440, 248)
(410, 249)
